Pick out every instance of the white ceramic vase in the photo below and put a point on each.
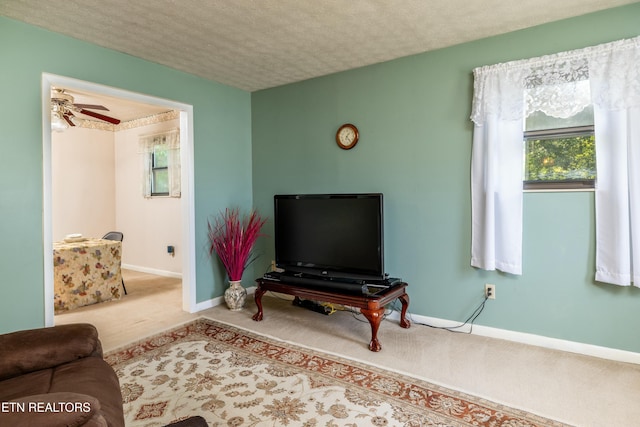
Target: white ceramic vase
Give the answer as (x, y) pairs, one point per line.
(235, 295)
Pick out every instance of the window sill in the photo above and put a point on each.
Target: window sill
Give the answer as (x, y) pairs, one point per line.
(559, 190)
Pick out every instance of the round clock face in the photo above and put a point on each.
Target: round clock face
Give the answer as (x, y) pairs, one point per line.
(347, 136)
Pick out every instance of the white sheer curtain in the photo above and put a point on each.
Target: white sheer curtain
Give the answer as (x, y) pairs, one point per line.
(504, 94)
(496, 169)
(171, 140)
(615, 86)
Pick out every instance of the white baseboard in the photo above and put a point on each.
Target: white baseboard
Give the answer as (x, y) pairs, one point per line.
(504, 334)
(531, 339)
(157, 272)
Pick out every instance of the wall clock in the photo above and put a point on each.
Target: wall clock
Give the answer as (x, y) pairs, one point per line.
(347, 136)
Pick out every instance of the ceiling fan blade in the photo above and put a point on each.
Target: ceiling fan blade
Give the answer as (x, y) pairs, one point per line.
(68, 119)
(92, 107)
(100, 116)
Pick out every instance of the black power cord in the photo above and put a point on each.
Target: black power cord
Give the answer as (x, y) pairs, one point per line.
(469, 321)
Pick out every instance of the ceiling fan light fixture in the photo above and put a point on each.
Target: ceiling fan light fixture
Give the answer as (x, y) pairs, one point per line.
(61, 96)
(63, 105)
(58, 124)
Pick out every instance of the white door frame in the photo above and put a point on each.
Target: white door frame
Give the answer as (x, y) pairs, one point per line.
(187, 190)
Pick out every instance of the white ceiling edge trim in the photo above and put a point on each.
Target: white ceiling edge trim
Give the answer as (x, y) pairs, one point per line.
(130, 124)
(48, 81)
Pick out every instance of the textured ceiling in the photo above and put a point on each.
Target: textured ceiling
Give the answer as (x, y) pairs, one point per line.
(257, 44)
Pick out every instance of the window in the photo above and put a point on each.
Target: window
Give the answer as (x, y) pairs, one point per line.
(160, 157)
(560, 159)
(605, 78)
(159, 171)
(559, 153)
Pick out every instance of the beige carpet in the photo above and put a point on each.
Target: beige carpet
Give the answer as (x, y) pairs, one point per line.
(233, 377)
(577, 390)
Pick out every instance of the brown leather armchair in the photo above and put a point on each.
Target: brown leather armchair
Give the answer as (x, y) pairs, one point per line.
(56, 376)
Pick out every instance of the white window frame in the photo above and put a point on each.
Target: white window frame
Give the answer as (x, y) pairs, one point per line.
(147, 144)
(561, 185)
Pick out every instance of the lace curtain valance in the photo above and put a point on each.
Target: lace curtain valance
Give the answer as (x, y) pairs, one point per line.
(558, 84)
(171, 139)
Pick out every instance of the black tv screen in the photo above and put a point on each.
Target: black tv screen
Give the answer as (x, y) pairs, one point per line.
(330, 235)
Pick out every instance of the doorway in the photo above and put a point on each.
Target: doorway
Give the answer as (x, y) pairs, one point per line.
(186, 200)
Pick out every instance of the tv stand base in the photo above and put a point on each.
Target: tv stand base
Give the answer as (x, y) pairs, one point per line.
(371, 306)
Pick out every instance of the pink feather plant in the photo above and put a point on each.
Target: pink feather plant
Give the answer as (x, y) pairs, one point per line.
(232, 238)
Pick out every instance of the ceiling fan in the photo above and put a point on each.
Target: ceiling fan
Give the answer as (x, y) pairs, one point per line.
(63, 107)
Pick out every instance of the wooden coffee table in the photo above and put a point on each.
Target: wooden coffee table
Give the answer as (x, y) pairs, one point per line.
(371, 306)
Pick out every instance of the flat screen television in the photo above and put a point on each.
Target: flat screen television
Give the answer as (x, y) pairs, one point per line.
(338, 236)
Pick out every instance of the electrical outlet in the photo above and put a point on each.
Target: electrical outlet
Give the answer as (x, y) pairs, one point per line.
(490, 291)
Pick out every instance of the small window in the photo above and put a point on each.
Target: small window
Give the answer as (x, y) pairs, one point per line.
(159, 171)
(160, 164)
(559, 153)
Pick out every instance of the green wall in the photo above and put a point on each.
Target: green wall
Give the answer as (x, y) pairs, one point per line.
(222, 145)
(415, 147)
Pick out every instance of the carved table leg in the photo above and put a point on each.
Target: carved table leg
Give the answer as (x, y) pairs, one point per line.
(375, 317)
(258, 297)
(404, 299)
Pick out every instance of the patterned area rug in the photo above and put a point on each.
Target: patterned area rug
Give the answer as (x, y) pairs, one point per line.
(233, 377)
